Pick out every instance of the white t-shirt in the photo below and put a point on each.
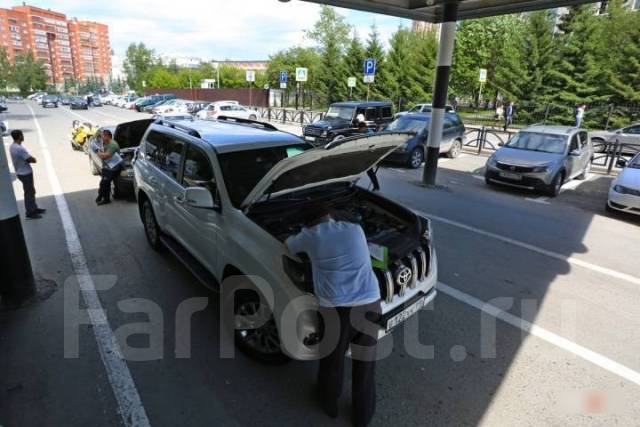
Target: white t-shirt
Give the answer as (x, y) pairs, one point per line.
(19, 156)
(341, 262)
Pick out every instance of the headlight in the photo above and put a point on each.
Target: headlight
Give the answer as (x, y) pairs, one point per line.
(539, 169)
(492, 161)
(621, 189)
(299, 273)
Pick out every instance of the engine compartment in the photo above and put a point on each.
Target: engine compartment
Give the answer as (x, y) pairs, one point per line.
(383, 222)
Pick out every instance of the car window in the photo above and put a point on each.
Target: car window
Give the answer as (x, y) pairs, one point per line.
(371, 114)
(449, 123)
(165, 151)
(409, 124)
(574, 145)
(386, 112)
(225, 108)
(415, 109)
(584, 139)
(634, 130)
(197, 169)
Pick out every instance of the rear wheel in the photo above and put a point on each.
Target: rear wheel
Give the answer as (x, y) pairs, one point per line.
(151, 228)
(554, 188)
(252, 117)
(456, 148)
(415, 158)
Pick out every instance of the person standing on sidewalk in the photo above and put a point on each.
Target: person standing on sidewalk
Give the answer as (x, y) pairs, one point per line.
(111, 166)
(345, 284)
(22, 161)
(580, 115)
(508, 115)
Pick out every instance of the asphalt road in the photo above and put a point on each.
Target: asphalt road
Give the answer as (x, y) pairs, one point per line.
(561, 277)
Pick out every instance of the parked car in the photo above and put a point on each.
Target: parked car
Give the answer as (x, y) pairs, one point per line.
(49, 101)
(128, 137)
(210, 109)
(3, 107)
(541, 158)
(628, 135)
(232, 110)
(78, 103)
(149, 100)
(196, 106)
(340, 120)
(624, 192)
(149, 108)
(96, 102)
(172, 116)
(412, 154)
(424, 108)
(65, 100)
(205, 182)
(174, 106)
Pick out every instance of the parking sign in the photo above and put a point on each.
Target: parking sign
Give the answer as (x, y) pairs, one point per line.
(250, 75)
(301, 74)
(483, 75)
(283, 77)
(369, 67)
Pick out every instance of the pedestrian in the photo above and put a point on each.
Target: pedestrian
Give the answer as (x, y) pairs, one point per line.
(349, 301)
(508, 115)
(22, 161)
(580, 114)
(89, 101)
(499, 115)
(112, 164)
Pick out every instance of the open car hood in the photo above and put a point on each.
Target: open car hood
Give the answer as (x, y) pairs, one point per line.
(343, 160)
(129, 134)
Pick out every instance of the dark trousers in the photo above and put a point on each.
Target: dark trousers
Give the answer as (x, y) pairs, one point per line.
(30, 204)
(356, 328)
(108, 175)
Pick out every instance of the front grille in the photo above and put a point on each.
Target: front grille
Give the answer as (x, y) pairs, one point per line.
(313, 131)
(404, 273)
(514, 168)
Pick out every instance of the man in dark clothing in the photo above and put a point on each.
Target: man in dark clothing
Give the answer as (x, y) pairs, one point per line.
(345, 284)
(508, 115)
(22, 161)
(111, 166)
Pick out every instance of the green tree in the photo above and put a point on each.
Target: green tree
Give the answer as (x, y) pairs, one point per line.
(5, 69)
(400, 62)
(352, 64)
(379, 89)
(421, 64)
(138, 61)
(29, 74)
(160, 77)
(331, 34)
(288, 60)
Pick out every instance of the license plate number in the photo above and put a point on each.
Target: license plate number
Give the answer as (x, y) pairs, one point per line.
(509, 175)
(310, 138)
(405, 314)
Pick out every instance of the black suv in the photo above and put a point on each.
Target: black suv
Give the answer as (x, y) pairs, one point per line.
(340, 120)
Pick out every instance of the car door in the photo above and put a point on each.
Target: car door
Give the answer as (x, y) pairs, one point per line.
(448, 134)
(586, 150)
(574, 157)
(631, 135)
(199, 226)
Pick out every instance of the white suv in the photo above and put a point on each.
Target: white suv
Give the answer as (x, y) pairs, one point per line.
(223, 195)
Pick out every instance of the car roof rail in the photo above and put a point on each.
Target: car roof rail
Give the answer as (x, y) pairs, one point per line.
(264, 125)
(183, 128)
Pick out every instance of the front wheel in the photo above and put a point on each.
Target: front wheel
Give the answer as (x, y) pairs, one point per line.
(252, 117)
(151, 228)
(554, 188)
(456, 148)
(415, 158)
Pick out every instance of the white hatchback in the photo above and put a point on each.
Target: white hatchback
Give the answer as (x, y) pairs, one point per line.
(624, 193)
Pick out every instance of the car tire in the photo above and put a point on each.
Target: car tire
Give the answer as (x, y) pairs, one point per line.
(252, 117)
(151, 227)
(554, 188)
(585, 172)
(455, 149)
(263, 343)
(93, 167)
(416, 157)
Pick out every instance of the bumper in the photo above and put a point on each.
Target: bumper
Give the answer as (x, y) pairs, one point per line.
(316, 140)
(125, 183)
(528, 181)
(624, 202)
(398, 157)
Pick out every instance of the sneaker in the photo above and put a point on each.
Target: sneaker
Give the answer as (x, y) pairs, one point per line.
(34, 216)
(40, 211)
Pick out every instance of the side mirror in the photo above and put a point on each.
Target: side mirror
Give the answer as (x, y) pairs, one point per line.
(575, 152)
(621, 163)
(199, 197)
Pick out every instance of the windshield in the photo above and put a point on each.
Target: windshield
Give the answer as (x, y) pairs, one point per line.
(78, 99)
(542, 142)
(416, 109)
(345, 113)
(635, 162)
(242, 170)
(406, 124)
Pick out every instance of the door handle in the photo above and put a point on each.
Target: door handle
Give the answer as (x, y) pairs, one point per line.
(178, 199)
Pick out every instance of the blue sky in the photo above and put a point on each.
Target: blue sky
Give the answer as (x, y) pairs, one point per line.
(216, 29)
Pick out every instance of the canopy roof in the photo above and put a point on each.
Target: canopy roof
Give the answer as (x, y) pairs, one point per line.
(432, 10)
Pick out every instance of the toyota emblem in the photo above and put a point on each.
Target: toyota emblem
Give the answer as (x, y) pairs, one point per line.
(403, 276)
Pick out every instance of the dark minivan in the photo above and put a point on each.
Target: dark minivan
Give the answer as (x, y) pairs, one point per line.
(412, 154)
(340, 120)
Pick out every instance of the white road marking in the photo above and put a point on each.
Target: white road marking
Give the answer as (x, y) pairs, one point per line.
(548, 336)
(83, 118)
(571, 185)
(542, 200)
(129, 404)
(107, 115)
(572, 260)
(480, 177)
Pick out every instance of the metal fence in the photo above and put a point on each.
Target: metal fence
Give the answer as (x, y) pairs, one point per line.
(607, 154)
(286, 115)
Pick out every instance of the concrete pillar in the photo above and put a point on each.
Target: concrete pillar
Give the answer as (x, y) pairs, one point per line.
(16, 276)
(441, 86)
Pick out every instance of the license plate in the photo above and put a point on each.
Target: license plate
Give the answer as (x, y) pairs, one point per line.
(310, 138)
(509, 175)
(405, 314)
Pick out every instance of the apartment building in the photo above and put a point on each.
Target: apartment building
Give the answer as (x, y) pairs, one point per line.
(68, 48)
